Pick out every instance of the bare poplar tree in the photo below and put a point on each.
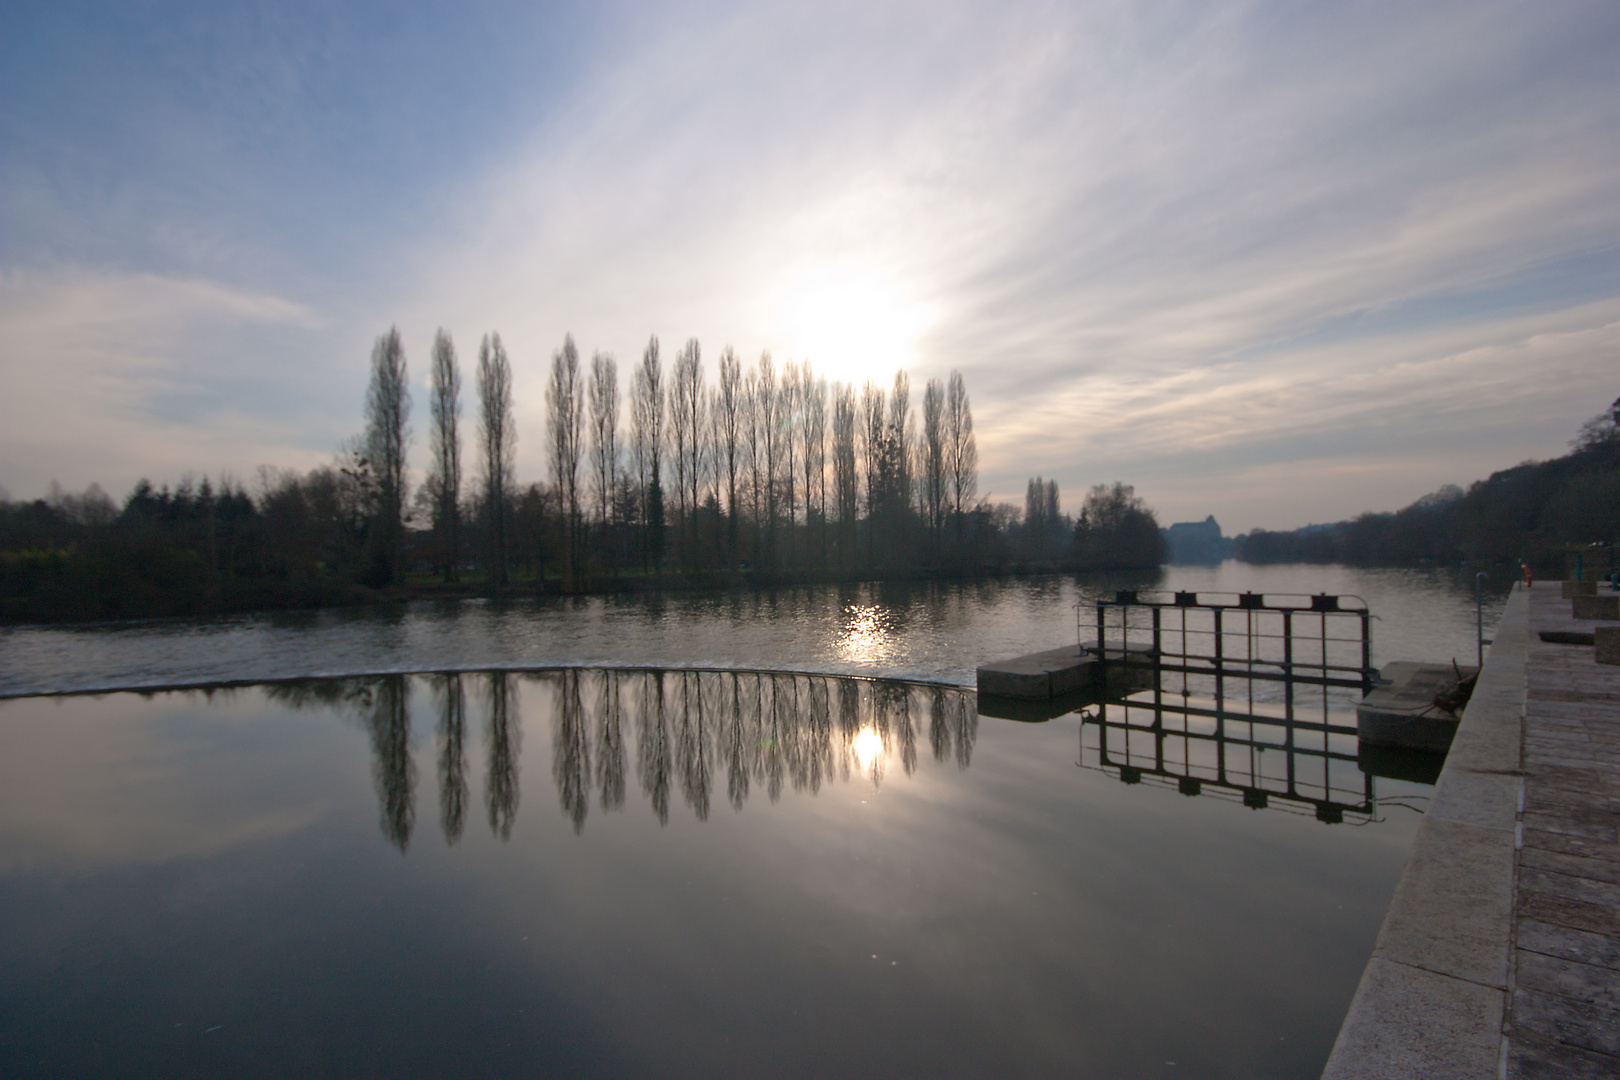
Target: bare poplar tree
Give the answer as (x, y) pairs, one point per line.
(902, 434)
(647, 415)
(788, 418)
(870, 433)
(689, 393)
(498, 434)
(933, 456)
(872, 430)
(564, 418)
(714, 454)
(813, 410)
(444, 480)
(679, 436)
(846, 477)
(961, 451)
(727, 417)
(388, 411)
(767, 406)
(753, 453)
(604, 449)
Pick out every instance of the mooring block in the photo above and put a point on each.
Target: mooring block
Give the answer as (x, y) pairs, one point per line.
(1606, 644)
(1596, 607)
(1402, 712)
(1572, 589)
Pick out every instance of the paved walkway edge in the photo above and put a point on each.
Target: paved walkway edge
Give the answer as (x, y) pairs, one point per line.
(1433, 996)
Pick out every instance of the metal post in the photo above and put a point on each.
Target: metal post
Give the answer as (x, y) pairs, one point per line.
(1479, 616)
(1220, 671)
(1158, 650)
(1288, 665)
(1366, 652)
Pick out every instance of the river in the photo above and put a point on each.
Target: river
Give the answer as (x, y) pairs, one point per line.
(686, 856)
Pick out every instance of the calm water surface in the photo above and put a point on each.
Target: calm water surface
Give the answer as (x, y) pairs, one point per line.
(639, 872)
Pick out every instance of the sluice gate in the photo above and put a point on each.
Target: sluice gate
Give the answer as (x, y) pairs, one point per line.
(1295, 638)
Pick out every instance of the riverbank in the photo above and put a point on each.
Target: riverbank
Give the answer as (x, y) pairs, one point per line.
(85, 606)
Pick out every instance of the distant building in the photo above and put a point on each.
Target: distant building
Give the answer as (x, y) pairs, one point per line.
(1196, 542)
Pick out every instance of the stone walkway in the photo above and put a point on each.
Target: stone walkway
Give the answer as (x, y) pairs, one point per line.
(1500, 953)
(1564, 1011)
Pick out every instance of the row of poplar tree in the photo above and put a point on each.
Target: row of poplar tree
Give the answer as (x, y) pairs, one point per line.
(771, 468)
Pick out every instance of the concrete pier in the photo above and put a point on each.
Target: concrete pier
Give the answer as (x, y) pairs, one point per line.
(1500, 954)
(1038, 676)
(1402, 713)
(1071, 672)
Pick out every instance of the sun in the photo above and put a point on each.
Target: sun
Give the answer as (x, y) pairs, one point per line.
(852, 323)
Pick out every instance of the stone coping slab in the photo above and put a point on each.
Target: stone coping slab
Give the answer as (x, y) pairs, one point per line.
(1432, 999)
(1500, 954)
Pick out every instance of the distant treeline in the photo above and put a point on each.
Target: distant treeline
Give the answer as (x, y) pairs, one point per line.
(772, 476)
(1532, 513)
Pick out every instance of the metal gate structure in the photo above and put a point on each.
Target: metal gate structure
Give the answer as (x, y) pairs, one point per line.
(1298, 640)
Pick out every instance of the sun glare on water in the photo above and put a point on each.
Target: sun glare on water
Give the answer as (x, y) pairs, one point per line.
(868, 748)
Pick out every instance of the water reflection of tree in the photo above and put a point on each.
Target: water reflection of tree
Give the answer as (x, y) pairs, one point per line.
(571, 749)
(382, 706)
(503, 736)
(775, 731)
(692, 743)
(610, 753)
(452, 702)
(771, 731)
(393, 766)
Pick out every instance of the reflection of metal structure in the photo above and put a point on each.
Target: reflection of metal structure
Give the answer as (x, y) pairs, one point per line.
(1288, 742)
(1303, 765)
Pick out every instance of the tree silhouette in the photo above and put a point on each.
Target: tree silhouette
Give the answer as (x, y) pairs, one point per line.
(388, 410)
(498, 435)
(503, 736)
(564, 418)
(444, 476)
(452, 756)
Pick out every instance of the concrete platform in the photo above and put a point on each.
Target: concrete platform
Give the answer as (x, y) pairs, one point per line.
(1039, 676)
(1402, 714)
(1057, 673)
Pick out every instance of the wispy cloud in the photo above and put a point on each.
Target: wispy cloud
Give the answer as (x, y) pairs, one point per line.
(109, 375)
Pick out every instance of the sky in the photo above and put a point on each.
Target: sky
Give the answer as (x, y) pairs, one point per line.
(1280, 262)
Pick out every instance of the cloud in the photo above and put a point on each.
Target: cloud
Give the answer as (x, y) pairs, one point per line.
(111, 375)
